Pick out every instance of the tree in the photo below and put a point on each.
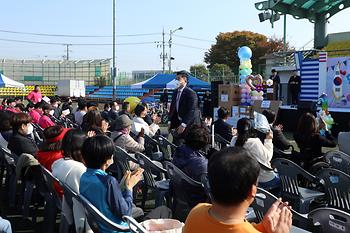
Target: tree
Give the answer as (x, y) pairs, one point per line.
(200, 71)
(220, 72)
(227, 44)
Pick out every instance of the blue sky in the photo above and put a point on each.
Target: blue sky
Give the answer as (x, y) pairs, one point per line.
(200, 19)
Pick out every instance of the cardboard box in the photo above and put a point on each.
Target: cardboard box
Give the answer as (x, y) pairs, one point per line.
(260, 105)
(246, 111)
(229, 95)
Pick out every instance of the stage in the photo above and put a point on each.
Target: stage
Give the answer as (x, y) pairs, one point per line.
(288, 116)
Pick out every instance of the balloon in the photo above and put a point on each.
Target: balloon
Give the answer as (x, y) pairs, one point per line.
(134, 101)
(243, 96)
(244, 53)
(254, 93)
(243, 101)
(260, 98)
(251, 80)
(245, 71)
(261, 93)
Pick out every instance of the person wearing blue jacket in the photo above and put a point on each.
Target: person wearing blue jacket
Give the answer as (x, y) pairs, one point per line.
(112, 199)
(189, 159)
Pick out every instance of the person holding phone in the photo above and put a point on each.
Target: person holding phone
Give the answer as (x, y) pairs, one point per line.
(246, 138)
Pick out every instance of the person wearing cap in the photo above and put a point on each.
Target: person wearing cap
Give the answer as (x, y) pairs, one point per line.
(184, 107)
(45, 120)
(35, 95)
(121, 136)
(50, 150)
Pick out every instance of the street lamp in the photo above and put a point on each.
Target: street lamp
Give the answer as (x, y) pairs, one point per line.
(170, 42)
(114, 70)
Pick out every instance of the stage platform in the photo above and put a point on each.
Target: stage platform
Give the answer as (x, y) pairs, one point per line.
(289, 115)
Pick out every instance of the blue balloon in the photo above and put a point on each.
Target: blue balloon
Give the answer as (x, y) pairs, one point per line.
(244, 53)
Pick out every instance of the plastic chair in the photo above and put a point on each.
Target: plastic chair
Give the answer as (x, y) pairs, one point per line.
(150, 145)
(331, 220)
(9, 159)
(264, 200)
(53, 202)
(95, 218)
(122, 158)
(220, 142)
(134, 226)
(161, 187)
(339, 160)
(337, 186)
(290, 175)
(166, 147)
(180, 188)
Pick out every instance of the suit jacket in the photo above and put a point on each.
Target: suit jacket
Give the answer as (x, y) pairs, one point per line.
(223, 129)
(188, 112)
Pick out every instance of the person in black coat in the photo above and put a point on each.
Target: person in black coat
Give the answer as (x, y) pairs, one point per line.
(21, 141)
(279, 140)
(276, 84)
(310, 141)
(294, 86)
(207, 109)
(113, 112)
(184, 109)
(221, 127)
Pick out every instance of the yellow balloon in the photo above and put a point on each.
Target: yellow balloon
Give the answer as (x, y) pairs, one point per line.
(133, 101)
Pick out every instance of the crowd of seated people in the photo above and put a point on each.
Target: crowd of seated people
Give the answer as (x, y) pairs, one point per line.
(80, 158)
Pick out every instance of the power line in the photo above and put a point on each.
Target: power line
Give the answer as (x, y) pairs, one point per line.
(192, 38)
(189, 46)
(70, 35)
(77, 44)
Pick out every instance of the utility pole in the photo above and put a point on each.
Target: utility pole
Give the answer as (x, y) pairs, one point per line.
(170, 42)
(67, 51)
(163, 55)
(114, 70)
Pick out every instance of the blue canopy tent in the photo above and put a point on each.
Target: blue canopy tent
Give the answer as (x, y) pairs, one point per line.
(159, 81)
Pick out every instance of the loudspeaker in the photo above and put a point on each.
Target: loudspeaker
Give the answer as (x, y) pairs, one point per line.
(215, 92)
(307, 106)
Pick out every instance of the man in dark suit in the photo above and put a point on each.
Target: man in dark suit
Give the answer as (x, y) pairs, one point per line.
(221, 127)
(184, 109)
(113, 113)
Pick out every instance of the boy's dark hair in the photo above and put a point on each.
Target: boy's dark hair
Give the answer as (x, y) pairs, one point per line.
(30, 105)
(106, 106)
(39, 105)
(138, 109)
(17, 98)
(223, 113)
(36, 86)
(82, 105)
(97, 150)
(125, 105)
(270, 115)
(273, 71)
(197, 137)
(232, 172)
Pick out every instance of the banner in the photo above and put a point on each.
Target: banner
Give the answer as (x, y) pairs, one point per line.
(338, 82)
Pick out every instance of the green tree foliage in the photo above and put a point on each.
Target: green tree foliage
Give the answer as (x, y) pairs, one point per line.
(227, 44)
(222, 72)
(200, 71)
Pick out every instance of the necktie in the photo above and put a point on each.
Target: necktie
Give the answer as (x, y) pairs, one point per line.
(178, 100)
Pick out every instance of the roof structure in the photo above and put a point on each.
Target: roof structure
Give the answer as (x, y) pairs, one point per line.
(317, 11)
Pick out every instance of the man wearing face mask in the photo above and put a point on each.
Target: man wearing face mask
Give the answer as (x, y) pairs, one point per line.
(45, 121)
(21, 141)
(183, 109)
(55, 103)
